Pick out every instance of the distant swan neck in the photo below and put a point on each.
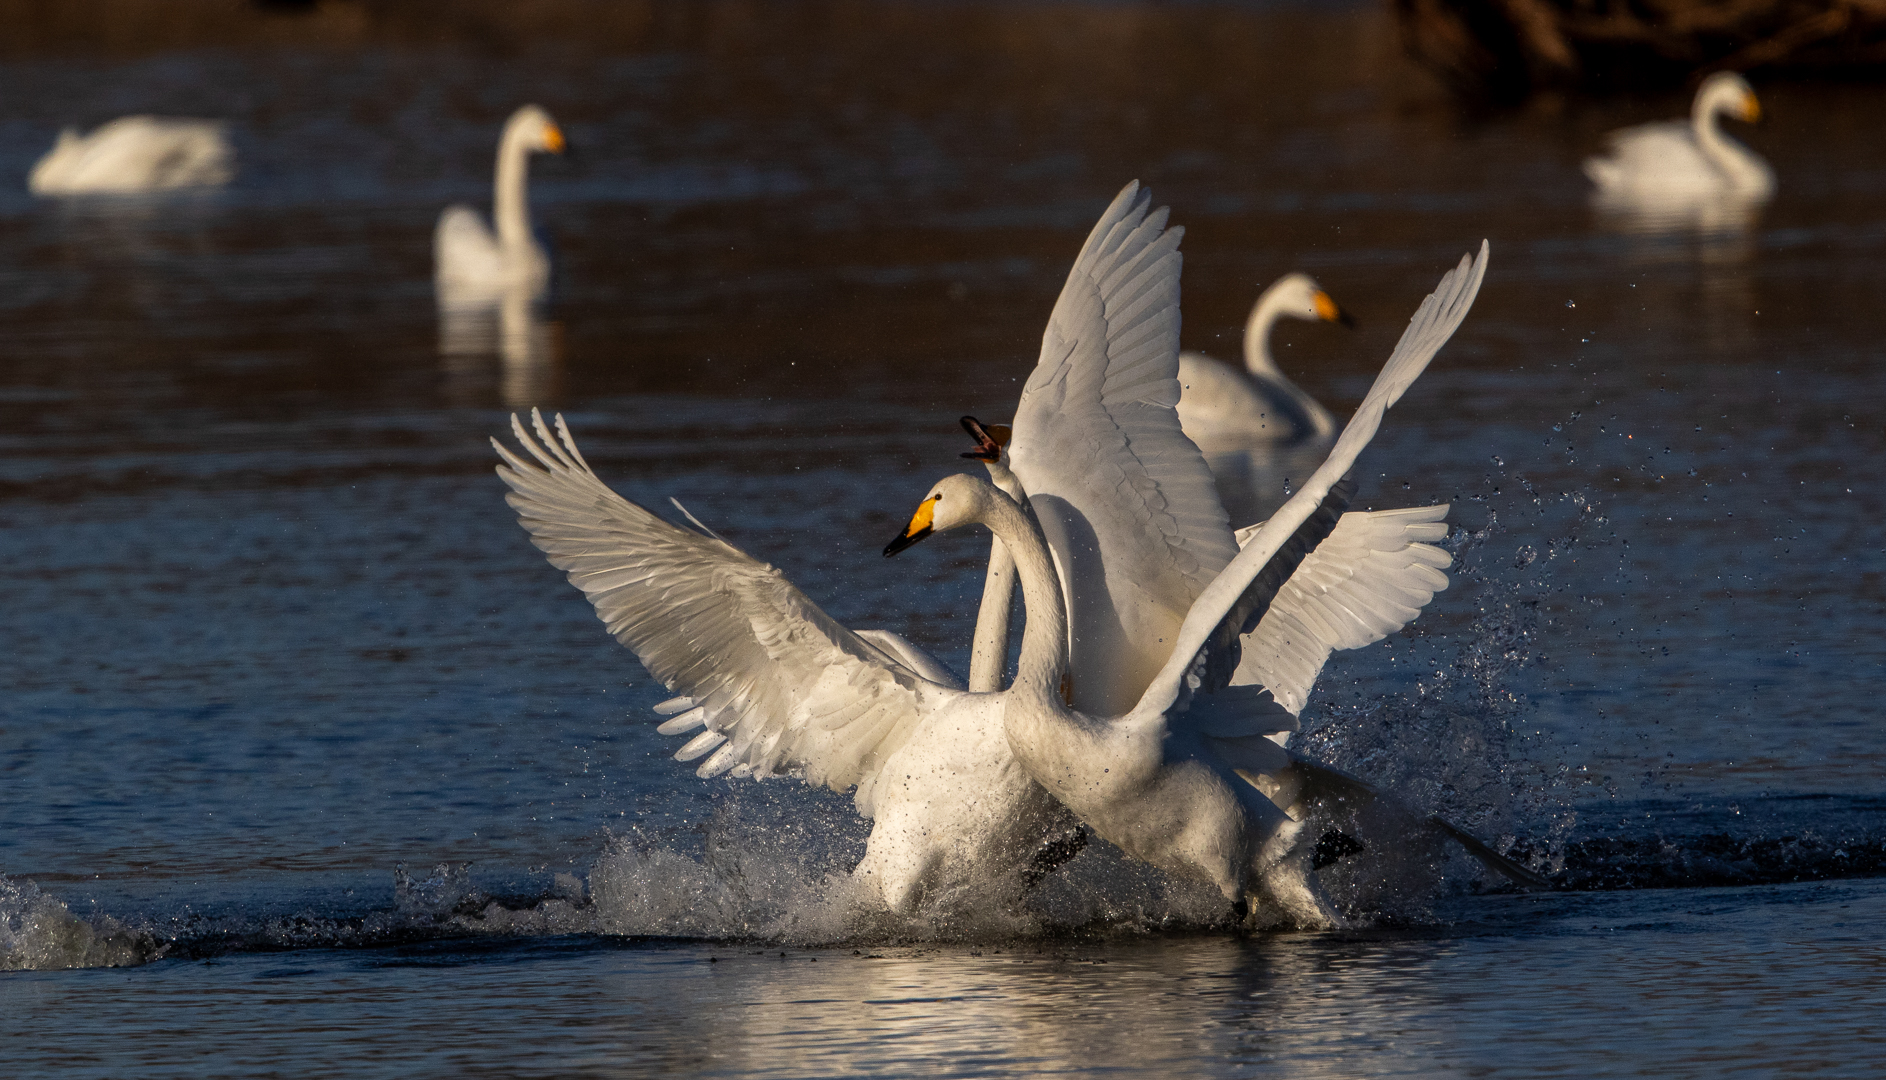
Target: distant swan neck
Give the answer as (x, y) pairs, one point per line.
(1043, 661)
(1708, 131)
(1745, 171)
(511, 207)
(1264, 315)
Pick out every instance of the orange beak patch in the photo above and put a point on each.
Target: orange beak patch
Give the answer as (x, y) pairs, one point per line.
(553, 139)
(920, 526)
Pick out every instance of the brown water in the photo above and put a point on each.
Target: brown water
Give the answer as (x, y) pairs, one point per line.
(272, 631)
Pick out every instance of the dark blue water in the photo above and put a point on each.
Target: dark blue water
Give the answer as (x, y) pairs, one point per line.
(296, 725)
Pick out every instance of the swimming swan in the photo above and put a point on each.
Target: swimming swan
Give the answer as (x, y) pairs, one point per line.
(1222, 408)
(469, 262)
(135, 154)
(1673, 161)
(1164, 781)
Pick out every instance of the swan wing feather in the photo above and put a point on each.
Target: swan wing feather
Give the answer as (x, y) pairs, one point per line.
(1368, 579)
(1189, 667)
(1124, 498)
(779, 686)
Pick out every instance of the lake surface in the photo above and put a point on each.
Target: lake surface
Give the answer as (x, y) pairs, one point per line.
(307, 756)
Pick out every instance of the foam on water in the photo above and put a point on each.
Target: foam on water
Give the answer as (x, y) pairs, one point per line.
(38, 932)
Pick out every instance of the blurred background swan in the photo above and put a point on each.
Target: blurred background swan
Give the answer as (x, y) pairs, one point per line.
(1222, 408)
(470, 262)
(489, 284)
(135, 154)
(1676, 162)
(1256, 427)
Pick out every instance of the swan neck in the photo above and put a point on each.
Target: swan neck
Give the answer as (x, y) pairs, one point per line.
(511, 206)
(1043, 662)
(1264, 315)
(988, 653)
(1708, 131)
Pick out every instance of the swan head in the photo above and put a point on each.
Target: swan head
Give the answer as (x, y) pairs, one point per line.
(991, 441)
(955, 501)
(532, 127)
(1730, 94)
(1300, 297)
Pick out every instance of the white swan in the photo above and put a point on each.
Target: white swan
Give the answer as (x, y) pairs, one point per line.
(135, 154)
(1672, 161)
(781, 688)
(1222, 408)
(730, 635)
(1165, 781)
(470, 263)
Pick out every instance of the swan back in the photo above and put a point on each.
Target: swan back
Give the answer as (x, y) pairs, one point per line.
(1680, 162)
(1124, 497)
(136, 154)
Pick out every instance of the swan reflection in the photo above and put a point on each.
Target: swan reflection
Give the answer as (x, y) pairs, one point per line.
(510, 328)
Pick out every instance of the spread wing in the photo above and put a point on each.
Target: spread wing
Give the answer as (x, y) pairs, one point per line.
(1195, 664)
(777, 685)
(1369, 578)
(1124, 498)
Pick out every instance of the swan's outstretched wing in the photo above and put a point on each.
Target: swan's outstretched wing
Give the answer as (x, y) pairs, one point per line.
(779, 686)
(1124, 498)
(1369, 578)
(1191, 665)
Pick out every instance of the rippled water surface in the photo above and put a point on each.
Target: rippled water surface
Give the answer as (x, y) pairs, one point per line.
(299, 731)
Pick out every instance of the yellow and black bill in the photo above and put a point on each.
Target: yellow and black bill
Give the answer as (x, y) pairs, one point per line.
(919, 527)
(1329, 311)
(990, 439)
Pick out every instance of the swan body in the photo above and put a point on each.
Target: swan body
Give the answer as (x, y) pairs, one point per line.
(773, 686)
(1222, 408)
(1677, 161)
(1171, 778)
(135, 154)
(958, 790)
(473, 264)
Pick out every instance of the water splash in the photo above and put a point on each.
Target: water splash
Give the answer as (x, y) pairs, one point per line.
(39, 933)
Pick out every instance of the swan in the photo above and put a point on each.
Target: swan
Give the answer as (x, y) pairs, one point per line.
(760, 669)
(1222, 408)
(1673, 161)
(135, 154)
(774, 686)
(1165, 780)
(470, 263)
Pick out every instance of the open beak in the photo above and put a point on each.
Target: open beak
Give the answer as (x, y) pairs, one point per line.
(918, 528)
(1329, 311)
(990, 439)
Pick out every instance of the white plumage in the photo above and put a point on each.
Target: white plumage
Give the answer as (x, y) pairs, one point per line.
(471, 263)
(957, 783)
(135, 154)
(1673, 162)
(1163, 781)
(1124, 498)
(774, 686)
(1223, 408)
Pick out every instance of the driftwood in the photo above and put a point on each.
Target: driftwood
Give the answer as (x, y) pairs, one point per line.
(1506, 49)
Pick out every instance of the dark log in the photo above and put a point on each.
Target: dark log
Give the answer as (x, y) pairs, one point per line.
(1504, 50)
